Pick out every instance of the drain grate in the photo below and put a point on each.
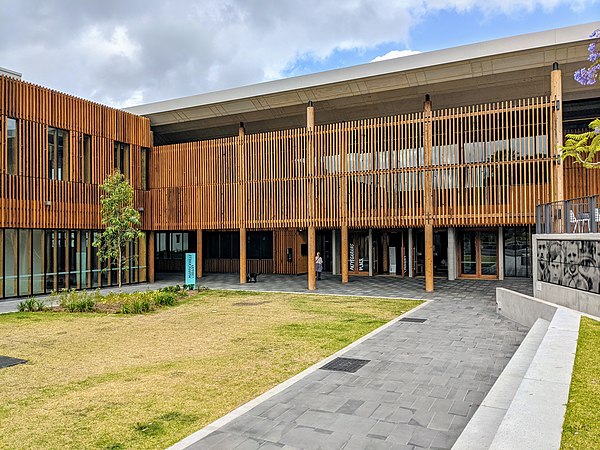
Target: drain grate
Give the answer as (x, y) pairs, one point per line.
(412, 320)
(350, 365)
(7, 361)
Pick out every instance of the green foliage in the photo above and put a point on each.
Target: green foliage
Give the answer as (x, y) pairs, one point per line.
(138, 304)
(581, 428)
(78, 301)
(165, 299)
(31, 305)
(174, 289)
(584, 146)
(120, 219)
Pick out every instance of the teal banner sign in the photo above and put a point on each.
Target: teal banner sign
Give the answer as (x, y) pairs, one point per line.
(190, 269)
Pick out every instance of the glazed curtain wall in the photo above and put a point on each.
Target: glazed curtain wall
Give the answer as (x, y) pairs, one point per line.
(36, 261)
(490, 165)
(56, 150)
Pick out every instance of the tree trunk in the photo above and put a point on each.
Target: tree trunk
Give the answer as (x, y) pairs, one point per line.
(119, 265)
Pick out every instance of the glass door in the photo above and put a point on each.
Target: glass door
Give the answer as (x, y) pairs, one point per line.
(479, 254)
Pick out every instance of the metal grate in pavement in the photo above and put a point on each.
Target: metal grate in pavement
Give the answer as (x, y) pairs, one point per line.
(350, 365)
(412, 320)
(7, 361)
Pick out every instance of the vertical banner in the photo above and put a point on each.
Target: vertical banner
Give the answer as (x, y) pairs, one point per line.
(190, 269)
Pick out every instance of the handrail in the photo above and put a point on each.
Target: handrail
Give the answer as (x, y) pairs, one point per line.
(576, 215)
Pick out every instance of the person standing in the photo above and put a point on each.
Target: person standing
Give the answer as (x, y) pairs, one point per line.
(319, 265)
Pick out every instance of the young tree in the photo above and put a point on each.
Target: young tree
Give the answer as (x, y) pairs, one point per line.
(584, 146)
(121, 221)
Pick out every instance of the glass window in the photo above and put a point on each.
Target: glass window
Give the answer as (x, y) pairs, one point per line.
(517, 252)
(260, 245)
(12, 146)
(84, 251)
(95, 266)
(58, 154)
(38, 261)
(122, 158)
(10, 262)
(86, 155)
(50, 274)
(24, 262)
(74, 278)
(61, 259)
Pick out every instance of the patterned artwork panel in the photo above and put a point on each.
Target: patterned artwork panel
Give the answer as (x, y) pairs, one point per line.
(573, 264)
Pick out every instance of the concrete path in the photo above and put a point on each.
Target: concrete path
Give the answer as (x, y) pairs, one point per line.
(423, 382)
(421, 385)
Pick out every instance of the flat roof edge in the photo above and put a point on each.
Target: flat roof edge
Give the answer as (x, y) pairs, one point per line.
(513, 44)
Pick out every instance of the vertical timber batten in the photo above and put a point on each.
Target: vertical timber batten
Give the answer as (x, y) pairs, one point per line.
(241, 201)
(428, 192)
(310, 168)
(557, 132)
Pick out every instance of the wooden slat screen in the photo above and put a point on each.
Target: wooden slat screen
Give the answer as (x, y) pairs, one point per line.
(29, 197)
(490, 166)
(492, 163)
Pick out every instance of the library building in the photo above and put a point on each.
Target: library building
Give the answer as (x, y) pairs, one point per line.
(429, 165)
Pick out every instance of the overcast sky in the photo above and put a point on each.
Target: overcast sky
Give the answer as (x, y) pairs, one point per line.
(127, 52)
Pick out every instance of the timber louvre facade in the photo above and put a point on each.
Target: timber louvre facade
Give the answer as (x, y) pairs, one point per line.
(436, 191)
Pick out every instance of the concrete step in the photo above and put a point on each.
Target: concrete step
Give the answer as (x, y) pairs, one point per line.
(483, 426)
(535, 416)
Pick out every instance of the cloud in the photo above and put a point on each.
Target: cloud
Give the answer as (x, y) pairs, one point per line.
(395, 54)
(117, 52)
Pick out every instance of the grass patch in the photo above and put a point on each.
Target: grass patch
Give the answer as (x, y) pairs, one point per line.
(147, 381)
(581, 429)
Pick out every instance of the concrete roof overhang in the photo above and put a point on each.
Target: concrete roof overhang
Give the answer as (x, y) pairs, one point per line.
(497, 70)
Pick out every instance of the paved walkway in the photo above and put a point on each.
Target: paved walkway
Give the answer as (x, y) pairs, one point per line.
(423, 383)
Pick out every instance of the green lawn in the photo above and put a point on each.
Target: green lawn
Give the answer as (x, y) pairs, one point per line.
(116, 381)
(581, 429)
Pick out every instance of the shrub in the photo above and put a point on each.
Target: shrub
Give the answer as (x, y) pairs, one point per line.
(165, 298)
(31, 305)
(137, 303)
(74, 301)
(175, 289)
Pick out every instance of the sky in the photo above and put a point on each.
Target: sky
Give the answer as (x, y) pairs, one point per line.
(128, 52)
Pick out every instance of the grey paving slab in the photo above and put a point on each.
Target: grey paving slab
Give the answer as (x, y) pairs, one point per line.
(424, 381)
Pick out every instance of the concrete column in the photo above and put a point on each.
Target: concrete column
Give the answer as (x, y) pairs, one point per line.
(452, 254)
(335, 268)
(150, 256)
(199, 253)
(370, 252)
(243, 253)
(312, 251)
(429, 257)
(344, 257)
(410, 253)
(500, 263)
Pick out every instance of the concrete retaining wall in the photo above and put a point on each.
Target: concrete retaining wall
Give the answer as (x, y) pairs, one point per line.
(522, 308)
(581, 300)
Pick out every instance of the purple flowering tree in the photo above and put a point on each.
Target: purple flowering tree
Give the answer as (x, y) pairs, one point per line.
(589, 75)
(584, 146)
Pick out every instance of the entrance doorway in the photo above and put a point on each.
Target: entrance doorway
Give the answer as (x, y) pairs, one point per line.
(478, 255)
(323, 243)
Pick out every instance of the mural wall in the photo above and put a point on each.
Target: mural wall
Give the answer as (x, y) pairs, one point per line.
(572, 263)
